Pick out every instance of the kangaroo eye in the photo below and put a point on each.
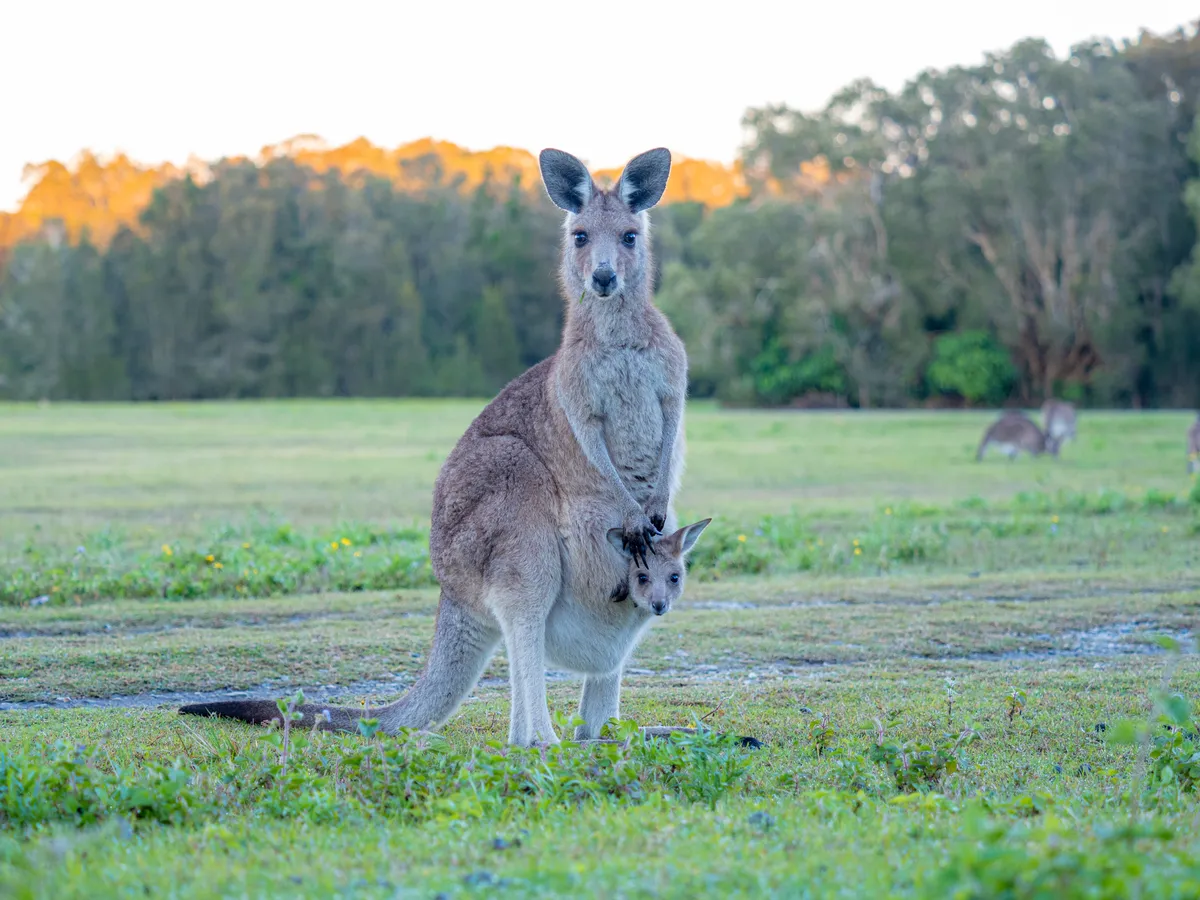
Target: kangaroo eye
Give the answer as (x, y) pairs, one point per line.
(675, 578)
(629, 238)
(643, 578)
(580, 238)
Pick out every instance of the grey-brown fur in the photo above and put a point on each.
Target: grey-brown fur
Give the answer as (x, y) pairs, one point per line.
(1058, 420)
(1013, 433)
(1194, 446)
(585, 442)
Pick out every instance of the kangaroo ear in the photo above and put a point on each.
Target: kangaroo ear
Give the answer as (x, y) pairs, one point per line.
(614, 536)
(691, 534)
(567, 180)
(645, 178)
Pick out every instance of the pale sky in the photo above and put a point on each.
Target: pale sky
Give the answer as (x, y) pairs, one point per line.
(164, 80)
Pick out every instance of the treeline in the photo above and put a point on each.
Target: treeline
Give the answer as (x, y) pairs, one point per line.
(277, 282)
(992, 233)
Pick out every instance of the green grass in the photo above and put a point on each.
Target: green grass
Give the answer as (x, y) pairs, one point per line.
(947, 711)
(159, 471)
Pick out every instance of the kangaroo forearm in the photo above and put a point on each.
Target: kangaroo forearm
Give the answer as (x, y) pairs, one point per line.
(672, 411)
(590, 435)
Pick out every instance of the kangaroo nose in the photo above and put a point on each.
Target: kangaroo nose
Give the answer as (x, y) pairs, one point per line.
(604, 277)
(659, 607)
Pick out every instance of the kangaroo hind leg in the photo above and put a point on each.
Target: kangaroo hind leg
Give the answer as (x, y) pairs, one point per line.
(521, 591)
(600, 702)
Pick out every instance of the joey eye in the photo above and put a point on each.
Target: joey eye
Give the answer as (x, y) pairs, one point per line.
(643, 578)
(629, 238)
(675, 578)
(580, 238)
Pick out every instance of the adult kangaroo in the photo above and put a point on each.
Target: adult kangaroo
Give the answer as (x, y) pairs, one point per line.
(1014, 432)
(1058, 419)
(560, 485)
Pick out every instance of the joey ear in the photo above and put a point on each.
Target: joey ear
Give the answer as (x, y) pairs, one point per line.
(691, 534)
(615, 537)
(642, 183)
(567, 180)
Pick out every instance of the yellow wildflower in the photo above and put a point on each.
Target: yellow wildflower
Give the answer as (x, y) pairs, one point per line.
(217, 565)
(246, 546)
(742, 538)
(345, 542)
(858, 551)
(856, 542)
(209, 558)
(1054, 519)
(167, 550)
(888, 511)
(1165, 529)
(334, 545)
(358, 553)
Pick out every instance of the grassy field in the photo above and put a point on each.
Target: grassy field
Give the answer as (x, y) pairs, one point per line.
(972, 679)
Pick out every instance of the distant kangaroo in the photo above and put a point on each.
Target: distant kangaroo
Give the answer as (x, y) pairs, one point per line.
(560, 485)
(1194, 446)
(1058, 419)
(1014, 432)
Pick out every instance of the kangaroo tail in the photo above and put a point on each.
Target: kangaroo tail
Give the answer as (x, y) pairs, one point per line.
(462, 646)
(259, 712)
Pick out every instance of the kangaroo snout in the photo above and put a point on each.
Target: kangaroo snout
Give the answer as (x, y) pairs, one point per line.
(604, 279)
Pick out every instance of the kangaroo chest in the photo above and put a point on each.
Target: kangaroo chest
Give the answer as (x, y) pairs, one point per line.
(629, 386)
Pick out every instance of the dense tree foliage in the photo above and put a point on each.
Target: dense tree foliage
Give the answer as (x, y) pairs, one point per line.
(1020, 228)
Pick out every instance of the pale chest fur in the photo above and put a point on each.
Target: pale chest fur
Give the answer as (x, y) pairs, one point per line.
(628, 388)
(592, 637)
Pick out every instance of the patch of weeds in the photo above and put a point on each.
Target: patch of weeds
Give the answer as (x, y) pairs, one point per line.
(1155, 499)
(822, 735)
(1103, 502)
(1049, 857)
(1014, 702)
(921, 765)
(1169, 740)
(951, 696)
(1175, 754)
(257, 560)
(295, 773)
(787, 544)
(1024, 806)
(78, 785)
